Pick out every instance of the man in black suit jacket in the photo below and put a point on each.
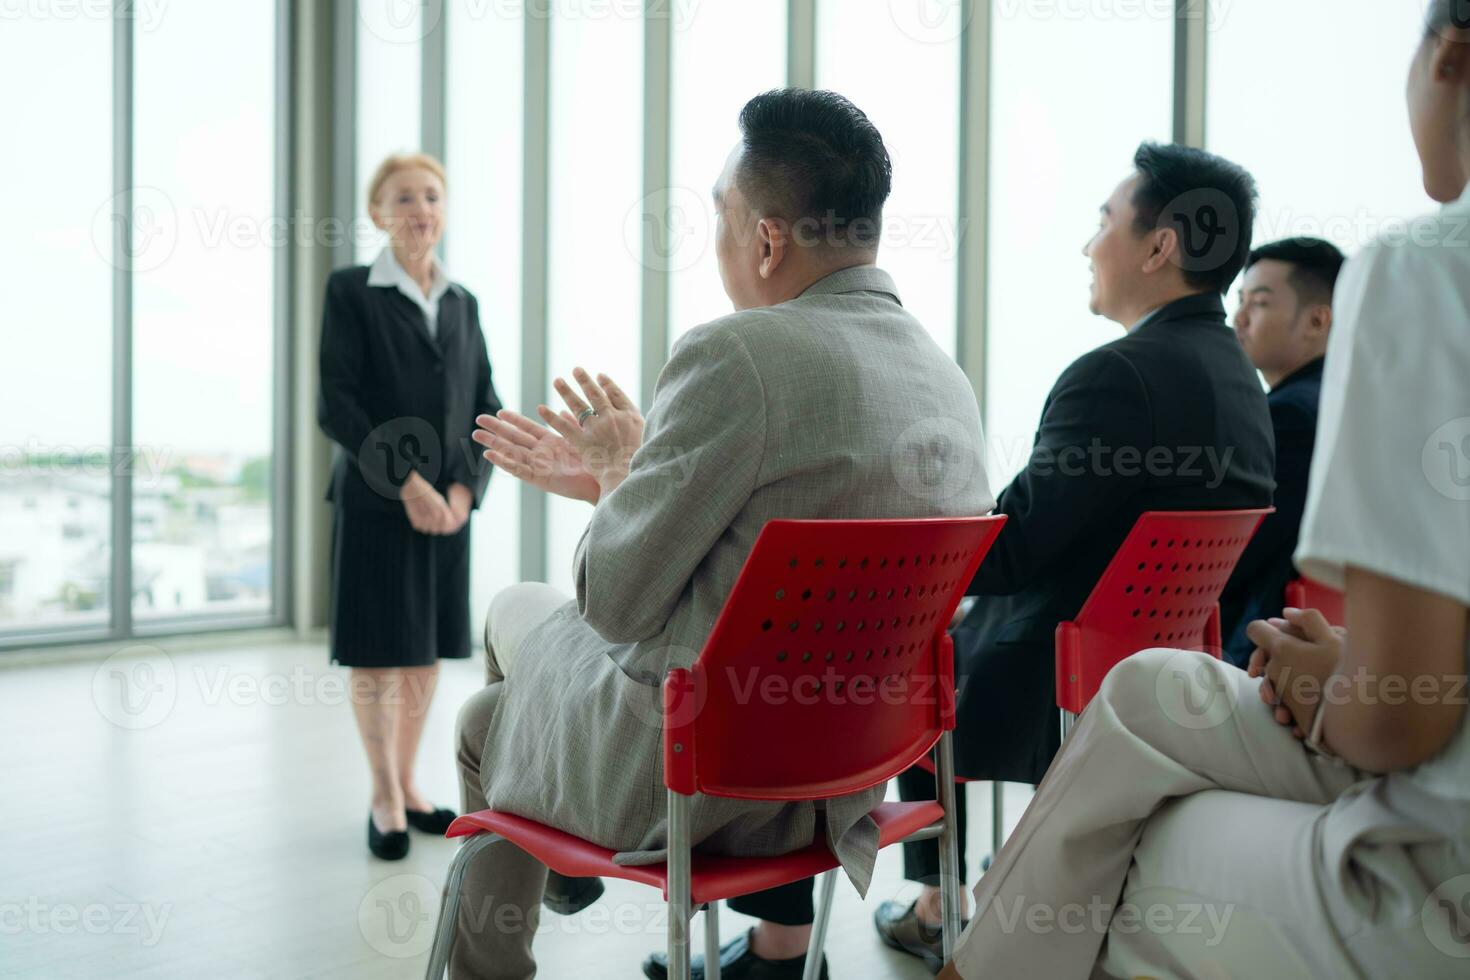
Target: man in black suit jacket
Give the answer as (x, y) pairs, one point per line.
(1169, 417)
(1283, 321)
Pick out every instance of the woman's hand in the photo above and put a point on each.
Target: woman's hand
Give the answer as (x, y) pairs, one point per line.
(428, 512)
(461, 502)
(610, 429)
(535, 454)
(1296, 655)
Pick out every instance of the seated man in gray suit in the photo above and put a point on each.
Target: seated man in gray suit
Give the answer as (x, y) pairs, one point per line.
(820, 397)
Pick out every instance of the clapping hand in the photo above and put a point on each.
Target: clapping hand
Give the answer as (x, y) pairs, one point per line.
(570, 455)
(535, 454)
(606, 429)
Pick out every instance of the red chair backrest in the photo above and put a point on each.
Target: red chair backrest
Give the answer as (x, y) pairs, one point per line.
(1162, 588)
(1303, 593)
(830, 669)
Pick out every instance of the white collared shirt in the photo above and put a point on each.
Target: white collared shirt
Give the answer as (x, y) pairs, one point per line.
(387, 271)
(1390, 485)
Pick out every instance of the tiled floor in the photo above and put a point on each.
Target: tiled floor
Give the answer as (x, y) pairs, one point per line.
(200, 814)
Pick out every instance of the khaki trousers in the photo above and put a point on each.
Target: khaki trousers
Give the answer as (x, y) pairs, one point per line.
(1182, 833)
(501, 900)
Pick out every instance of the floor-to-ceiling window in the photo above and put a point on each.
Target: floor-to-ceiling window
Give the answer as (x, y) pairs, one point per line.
(596, 183)
(56, 459)
(1309, 96)
(202, 326)
(902, 68)
(389, 98)
(485, 143)
(1071, 99)
(723, 55)
(164, 259)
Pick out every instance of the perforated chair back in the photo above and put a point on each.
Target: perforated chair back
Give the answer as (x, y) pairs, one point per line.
(1162, 588)
(830, 669)
(1303, 593)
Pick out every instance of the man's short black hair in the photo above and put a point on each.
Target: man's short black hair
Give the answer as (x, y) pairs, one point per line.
(1446, 14)
(1315, 266)
(814, 159)
(1208, 200)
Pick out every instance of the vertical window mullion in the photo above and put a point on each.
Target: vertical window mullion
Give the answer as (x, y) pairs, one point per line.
(121, 571)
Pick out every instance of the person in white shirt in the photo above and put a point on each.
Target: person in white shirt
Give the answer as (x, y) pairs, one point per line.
(1189, 830)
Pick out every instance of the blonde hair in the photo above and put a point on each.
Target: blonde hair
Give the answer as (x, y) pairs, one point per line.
(403, 161)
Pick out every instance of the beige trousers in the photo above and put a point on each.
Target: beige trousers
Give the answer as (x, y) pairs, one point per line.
(1182, 833)
(501, 899)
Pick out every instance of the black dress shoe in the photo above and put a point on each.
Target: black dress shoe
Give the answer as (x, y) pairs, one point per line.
(431, 821)
(392, 846)
(899, 927)
(737, 962)
(568, 896)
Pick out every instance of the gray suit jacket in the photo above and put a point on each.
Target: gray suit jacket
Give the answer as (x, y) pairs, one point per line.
(834, 405)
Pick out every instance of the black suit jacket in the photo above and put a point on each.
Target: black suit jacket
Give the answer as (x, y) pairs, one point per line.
(394, 399)
(1258, 587)
(1170, 417)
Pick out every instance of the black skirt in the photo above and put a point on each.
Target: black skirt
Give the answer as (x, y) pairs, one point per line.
(399, 598)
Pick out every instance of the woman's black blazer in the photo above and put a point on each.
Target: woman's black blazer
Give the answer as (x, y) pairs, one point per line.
(394, 399)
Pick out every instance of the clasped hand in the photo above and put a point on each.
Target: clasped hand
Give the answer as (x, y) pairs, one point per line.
(578, 459)
(429, 511)
(1296, 655)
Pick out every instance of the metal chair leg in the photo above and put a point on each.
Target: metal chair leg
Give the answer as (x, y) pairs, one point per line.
(997, 818)
(949, 849)
(680, 901)
(1069, 721)
(712, 941)
(826, 886)
(449, 911)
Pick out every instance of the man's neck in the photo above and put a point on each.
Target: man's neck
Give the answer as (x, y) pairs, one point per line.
(805, 278)
(1147, 308)
(1275, 378)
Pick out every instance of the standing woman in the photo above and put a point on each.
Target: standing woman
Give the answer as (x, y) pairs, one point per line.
(403, 374)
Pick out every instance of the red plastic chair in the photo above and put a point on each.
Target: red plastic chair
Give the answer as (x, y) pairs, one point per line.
(1162, 588)
(1303, 593)
(850, 618)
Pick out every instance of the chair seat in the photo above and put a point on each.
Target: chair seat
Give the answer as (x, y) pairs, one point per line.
(715, 877)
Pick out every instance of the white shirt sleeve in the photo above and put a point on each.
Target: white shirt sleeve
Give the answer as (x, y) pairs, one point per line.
(1390, 484)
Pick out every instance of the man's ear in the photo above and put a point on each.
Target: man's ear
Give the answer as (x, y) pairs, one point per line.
(774, 244)
(1319, 319)
(1451, 58)
(1163, 247)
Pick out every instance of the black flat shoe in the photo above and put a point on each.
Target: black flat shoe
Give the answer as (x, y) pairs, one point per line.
(899, 927)
(392, 846)
(568, 896)
(431, 821)
(737, 962)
